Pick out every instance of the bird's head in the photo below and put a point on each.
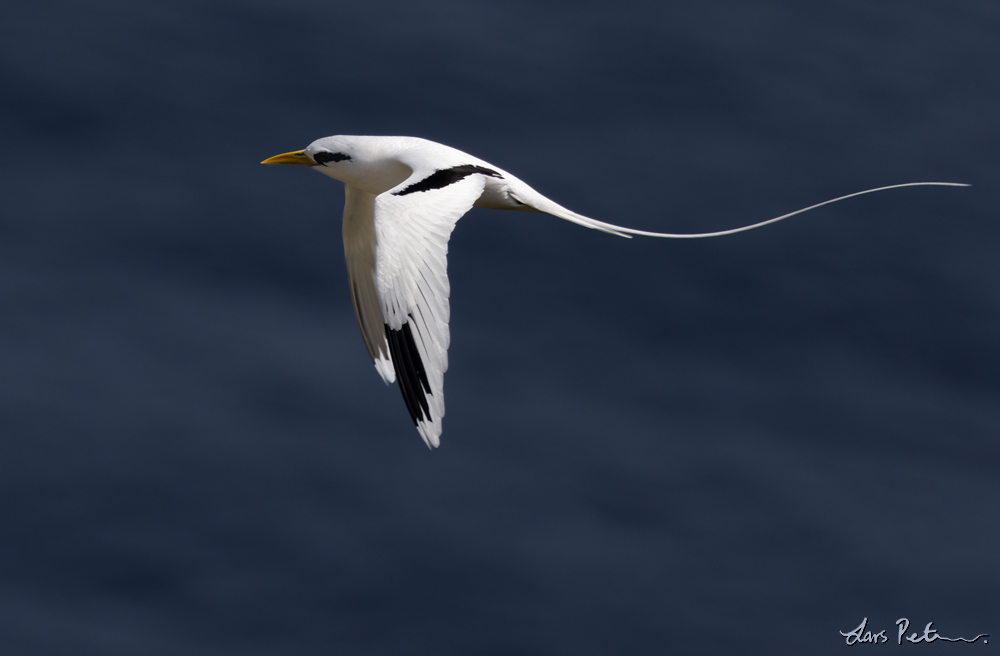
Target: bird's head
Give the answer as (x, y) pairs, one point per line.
(330, 154)
(364, 162)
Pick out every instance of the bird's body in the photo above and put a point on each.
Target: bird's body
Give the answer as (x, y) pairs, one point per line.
(403, 197)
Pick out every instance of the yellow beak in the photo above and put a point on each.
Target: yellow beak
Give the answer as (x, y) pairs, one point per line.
(296, 157)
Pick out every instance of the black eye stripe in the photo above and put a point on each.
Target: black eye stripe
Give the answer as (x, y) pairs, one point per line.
(323, 157)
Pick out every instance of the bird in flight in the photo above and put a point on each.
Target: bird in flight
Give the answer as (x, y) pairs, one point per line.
(403, 197)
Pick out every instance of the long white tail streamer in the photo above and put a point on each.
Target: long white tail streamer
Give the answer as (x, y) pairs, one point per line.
(626, 232)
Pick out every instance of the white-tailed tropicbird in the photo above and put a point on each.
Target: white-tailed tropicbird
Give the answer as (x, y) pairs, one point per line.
(403, 198)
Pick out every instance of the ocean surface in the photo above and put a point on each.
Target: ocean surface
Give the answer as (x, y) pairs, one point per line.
(743, 445)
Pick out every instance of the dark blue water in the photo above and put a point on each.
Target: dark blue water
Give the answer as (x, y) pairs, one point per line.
(740, 445)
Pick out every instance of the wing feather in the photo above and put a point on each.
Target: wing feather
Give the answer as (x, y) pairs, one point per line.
(359, 251)
(411, 273)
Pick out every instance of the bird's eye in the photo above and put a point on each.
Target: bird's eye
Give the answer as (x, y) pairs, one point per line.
(324, 156)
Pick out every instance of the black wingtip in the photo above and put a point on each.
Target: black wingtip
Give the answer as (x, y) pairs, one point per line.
(410, 372)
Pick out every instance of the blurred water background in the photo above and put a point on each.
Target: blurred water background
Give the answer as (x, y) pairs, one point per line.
(740, 445)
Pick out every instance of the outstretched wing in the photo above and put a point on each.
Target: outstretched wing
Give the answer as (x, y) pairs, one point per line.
(359, 251)
(413, 222)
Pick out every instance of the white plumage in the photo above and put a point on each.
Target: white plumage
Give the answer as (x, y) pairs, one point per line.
(404, 196)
